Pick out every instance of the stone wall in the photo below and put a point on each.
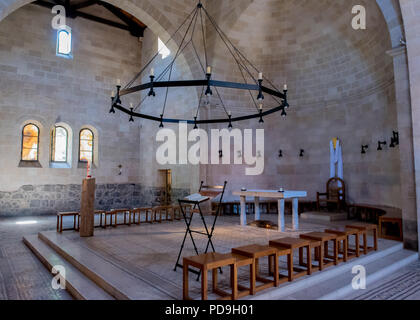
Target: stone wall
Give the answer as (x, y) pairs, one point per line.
(50, 199)
(341, 84)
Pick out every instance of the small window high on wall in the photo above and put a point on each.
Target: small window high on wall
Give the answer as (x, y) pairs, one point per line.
(163, 49)
(30, 143)
(86, 146)
(59, 145)
(64, 42)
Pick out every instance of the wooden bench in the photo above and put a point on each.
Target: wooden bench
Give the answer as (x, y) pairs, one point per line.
(76, 221)
(390, 226)
(365, 213)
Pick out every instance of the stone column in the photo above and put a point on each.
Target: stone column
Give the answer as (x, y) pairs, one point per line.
(87, 211)
(405, 129)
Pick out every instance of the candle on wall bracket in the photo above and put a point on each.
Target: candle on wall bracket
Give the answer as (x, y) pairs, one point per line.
(302, 153)
(380, 144)
(364, 149)
(395, 139)
(280, 153)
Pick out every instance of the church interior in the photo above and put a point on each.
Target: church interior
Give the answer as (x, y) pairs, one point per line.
(209, 149)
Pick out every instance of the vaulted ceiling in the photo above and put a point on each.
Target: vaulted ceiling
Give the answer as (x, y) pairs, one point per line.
(99, 11)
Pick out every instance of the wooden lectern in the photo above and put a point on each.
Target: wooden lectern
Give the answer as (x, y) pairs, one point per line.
(87, 209)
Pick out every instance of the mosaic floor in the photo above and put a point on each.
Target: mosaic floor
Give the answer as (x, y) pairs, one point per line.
(150, 251)
(22, 275)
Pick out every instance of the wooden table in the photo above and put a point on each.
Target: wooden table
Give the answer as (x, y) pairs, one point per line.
(256, 252)
(273, 194)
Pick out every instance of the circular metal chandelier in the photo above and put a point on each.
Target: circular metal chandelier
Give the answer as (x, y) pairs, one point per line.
(256, 88)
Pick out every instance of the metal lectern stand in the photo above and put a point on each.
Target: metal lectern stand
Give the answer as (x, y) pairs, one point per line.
(206, 192)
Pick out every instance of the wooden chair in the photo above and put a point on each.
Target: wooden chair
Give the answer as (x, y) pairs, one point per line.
(336, 194)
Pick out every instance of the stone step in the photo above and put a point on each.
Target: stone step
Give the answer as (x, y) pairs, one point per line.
(109, 276)
(335, 282)
(78, 285)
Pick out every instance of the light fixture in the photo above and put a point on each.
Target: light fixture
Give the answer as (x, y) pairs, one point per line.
(195, 123)
(380, 144)
(220, 154)
(302, 153)
(131, 115)
(364, 149)
(186, 31)
(280, 153)
(230, 120)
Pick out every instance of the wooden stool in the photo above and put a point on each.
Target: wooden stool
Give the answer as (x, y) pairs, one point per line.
(101, 213)
(348, 232)
(76, 221)
(294, 244)
(256, 252)
(366, 227)
(169, 213)
(210, 262)
(125, 212)
(318, 254)
(177, 213)
(324, 238)
(110, 214)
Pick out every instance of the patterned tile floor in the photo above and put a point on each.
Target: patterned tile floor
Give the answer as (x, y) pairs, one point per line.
(403, 285)
(22, 275)
(149, 252)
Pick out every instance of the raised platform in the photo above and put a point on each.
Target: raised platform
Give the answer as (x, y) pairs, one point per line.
(323, 217)
(137, 262)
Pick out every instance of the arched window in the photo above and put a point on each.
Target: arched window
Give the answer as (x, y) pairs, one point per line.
(64, 42)
(59, 144)
(30, 143)
(86, 146)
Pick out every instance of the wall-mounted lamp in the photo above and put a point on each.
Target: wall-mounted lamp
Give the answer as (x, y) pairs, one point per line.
(280, 153)
(395, 139)
(220, 154)
(120, 170)
(364, 149)
(259, 155)
(239, 154)
(380, 144)
(302, 153)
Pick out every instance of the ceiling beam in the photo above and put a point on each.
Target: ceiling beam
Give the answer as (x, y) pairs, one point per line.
(87, 16)
(82, 5)
(136, 29)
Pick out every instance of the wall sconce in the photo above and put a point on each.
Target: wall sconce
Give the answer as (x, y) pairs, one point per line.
(364, 149)
(280, 153)
(220, 154)
(259, 154)
(239, 154)
(120, 170)
(395, 139)
(302, 153)
(380, 144)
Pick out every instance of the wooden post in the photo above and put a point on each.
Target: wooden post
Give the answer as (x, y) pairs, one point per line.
(87, 210)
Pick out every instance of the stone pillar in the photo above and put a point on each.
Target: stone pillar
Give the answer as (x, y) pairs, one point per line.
(405, 129)
(87, 211)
